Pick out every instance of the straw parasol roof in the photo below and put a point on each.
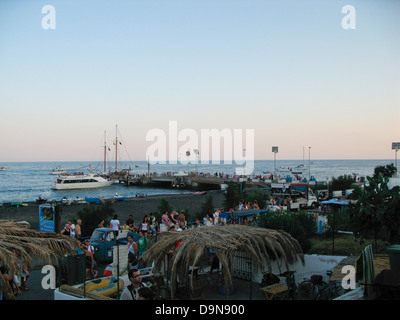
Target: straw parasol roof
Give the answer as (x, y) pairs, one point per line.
(261, 244)
(17, 236)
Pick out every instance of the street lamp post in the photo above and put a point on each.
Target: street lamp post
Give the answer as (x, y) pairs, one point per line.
(275, 151)
(309, 164)
(188, 155)
(196, 152)
(396, 147)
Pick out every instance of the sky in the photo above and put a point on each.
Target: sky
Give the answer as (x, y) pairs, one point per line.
(299, 74)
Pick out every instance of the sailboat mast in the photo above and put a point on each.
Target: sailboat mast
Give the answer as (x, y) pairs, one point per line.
(116, 148)
(105, 153)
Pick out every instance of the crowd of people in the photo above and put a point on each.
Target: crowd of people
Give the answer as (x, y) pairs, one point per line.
(14, 282)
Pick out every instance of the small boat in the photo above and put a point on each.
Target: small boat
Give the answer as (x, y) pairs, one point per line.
(284, 169)
(3, 168)
(117, 197)
(81, 182)
(18, 203)
(66, 201)
(93, 200)
(141, 195)
(58, 171)
(79, 201)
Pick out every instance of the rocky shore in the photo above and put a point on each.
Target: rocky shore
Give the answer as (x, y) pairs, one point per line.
(138, 207)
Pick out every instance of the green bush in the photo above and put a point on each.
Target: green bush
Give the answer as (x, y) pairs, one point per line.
(91, 215)
(162, 207)
(235, 192)
(300, 225)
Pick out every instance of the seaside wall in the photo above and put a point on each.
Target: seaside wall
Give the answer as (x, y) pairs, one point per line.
(138, 207)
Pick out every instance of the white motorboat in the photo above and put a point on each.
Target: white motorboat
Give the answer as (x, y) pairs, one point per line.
(3, 168)
(58, 171)
(81, 182)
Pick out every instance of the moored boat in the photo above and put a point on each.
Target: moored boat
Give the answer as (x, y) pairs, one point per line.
(80, 182)
(58, 171)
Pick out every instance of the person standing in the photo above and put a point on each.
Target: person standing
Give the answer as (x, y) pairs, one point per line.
(182, 220)
(153, 226)
(165, 220)
(144, 227)
(173, 215)
(133, 250)
(24, 275)
(114, 224)
(72, 228)
(78, 230)
(142, 243)
(67, 230)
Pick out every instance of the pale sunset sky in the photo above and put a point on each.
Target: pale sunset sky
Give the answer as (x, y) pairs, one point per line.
(292, 71)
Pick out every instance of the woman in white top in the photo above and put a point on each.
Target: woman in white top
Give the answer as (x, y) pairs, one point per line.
(145, 226)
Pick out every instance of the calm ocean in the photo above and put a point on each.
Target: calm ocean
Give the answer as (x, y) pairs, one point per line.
(26, 181)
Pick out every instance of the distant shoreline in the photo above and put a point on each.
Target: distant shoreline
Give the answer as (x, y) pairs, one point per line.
(135, 206)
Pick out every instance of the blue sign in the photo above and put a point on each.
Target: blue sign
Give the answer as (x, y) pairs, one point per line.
(46, 218)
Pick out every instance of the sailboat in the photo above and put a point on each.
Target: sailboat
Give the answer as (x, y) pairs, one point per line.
(300, 168)
(84, 181)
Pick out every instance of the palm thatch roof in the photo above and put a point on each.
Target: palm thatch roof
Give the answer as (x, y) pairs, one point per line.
(17, 236)
(261, 244)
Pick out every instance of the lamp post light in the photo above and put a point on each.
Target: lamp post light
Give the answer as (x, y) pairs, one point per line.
(275, 151)
(396, 147)
(188, 155)
(309, 164)
(196, 152)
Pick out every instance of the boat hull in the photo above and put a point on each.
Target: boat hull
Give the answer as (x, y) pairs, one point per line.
(89, 185)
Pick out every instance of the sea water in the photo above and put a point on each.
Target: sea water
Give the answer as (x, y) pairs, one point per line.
(27, 181)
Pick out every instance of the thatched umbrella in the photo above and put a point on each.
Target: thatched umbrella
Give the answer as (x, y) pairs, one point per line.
(261, 244)
(17, 236)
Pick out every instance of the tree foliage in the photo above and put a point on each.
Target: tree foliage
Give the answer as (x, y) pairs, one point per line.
(386, 171)
(91, 214)
(235, 192)
(377, 211)
(206, 207)
(299, 225)
(162, 207)
(342, 182)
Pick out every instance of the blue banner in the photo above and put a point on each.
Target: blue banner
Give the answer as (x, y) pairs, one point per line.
(46, 218)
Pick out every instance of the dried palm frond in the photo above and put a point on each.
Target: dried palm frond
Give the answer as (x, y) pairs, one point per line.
(260, 244)
(30, 243)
